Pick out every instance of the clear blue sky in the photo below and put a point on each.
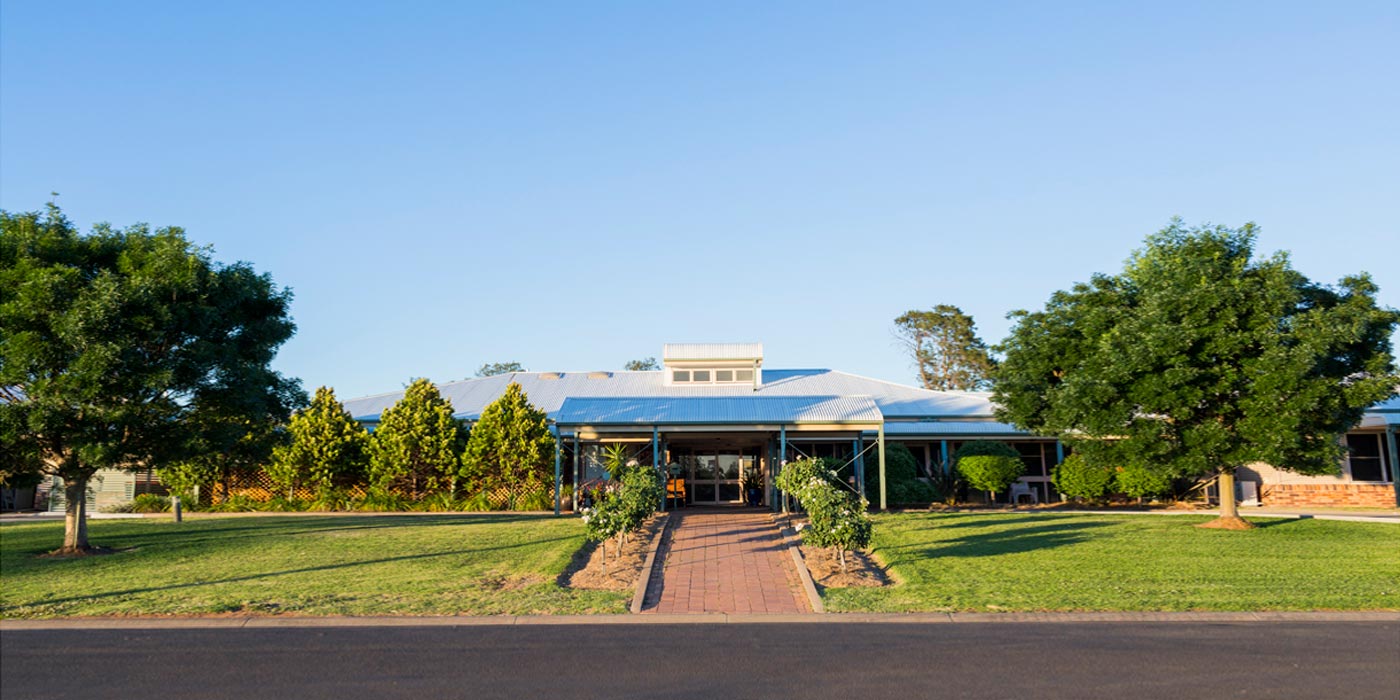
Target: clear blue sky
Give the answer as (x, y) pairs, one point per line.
(573, 184)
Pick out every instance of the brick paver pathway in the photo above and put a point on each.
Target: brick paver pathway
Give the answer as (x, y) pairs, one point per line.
(731, 562)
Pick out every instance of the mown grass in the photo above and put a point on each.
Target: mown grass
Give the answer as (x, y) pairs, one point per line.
(1035, 562)
(304, 565)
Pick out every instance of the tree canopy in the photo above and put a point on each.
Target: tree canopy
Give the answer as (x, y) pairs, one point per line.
(945, 348)
(491, 369)
(111, 342)
(645, 364)
(1200, 358)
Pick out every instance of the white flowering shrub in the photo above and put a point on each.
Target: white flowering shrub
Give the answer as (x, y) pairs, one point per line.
(837, 517)
(623, 509)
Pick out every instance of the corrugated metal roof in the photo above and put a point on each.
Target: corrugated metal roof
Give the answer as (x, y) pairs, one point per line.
(469, 397)
(712, 351)
(950, 427)
(718, 410)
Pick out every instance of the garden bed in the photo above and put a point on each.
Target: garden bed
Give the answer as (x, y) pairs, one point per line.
(586, 572)
(861, 568)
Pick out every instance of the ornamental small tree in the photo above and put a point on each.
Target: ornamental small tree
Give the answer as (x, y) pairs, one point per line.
(1136, 481)
(510, 447)
(836, 516)
(1082, 479)
(416, 448)
(989, 465)
(327, 449)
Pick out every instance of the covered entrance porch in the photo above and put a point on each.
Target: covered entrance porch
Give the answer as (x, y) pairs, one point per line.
(716, 450)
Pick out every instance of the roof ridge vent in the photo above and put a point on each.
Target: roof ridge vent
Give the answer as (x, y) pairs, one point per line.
(600, 375)
(551, 375)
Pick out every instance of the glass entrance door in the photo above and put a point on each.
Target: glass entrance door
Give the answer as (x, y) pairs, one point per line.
(715, 476)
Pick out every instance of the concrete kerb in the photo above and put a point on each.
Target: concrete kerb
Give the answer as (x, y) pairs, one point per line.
(789, 535)
(649, 569)
(135, 623)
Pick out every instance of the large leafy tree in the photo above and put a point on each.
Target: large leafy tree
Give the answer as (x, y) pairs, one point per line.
(510, 447)
(110, 342)
(417, 445)
(647, 364)
(1200, 358)
(945, 348)
(326, 448)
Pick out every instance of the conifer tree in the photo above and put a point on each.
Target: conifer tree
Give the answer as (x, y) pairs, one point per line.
(327, 448)
(417, 445)
(510, 447)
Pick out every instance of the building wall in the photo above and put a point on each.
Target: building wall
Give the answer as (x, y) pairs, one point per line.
(1283, 488)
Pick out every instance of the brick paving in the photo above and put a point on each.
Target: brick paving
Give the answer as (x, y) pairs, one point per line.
(725, 562)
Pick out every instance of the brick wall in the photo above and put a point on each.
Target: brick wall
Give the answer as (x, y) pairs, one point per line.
(1321, 495)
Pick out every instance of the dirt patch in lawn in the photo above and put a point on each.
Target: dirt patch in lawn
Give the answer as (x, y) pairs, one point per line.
(587, 570)
(861, 569)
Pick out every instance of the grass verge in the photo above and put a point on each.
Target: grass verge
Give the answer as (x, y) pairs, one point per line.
(1042, 562)
(304, 565)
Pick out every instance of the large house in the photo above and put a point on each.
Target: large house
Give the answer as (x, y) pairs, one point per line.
(716, 413)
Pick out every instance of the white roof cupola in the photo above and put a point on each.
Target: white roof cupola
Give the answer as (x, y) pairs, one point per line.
(713, 364)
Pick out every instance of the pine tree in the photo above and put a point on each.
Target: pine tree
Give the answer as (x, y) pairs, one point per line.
(510, 447)
(327, 450)
(416, 448)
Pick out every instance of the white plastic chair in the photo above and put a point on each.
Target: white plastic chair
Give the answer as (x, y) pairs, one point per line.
(1020, 489)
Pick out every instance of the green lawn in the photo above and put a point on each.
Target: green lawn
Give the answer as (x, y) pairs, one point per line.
(1030, 562)
(304, 565)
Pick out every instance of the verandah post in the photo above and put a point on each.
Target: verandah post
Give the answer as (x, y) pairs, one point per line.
(558, 474)
(855, 466)
(656, 463)
(1392, 452)
(782, 458)
(881, 437)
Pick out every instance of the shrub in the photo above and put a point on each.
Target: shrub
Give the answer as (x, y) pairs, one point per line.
(900, 468)
(988, 465)
(278, 503)
(538, 500)
(916, 492)
(477, 502)
(143, 503)
(1140, 482)
(241, 503)
(379, 500)
(837, 517)
(1077, 477)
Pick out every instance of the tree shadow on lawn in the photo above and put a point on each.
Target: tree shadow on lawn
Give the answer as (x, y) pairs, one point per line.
(270, 574)
(994, 519)
(1025, 539)
(202, 532)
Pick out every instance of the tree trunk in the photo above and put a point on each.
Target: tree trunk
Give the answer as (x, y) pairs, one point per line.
(1229, 515)
(75, 538)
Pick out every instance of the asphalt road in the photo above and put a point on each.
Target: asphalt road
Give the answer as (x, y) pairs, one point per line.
(827, 660)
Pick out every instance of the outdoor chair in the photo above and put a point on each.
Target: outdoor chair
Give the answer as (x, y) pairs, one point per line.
(1019, 489)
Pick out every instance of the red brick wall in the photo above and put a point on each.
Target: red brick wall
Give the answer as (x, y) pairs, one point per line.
(1320, 495)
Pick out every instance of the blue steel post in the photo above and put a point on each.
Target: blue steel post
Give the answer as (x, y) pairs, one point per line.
(656, 463)
(578, 475)
(1394, 472)
(881, 437)
(855, 470)
(947, 467)
(782, 458)
(558, 475)
(1059, 452)
(860, 465)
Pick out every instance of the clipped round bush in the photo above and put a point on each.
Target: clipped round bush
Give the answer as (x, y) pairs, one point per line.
(1139, 482)
(1077, 477)
(988, 465)
(901, 467)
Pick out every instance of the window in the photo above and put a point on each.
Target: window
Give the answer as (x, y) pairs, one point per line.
(712, 375)
(1364, 457)
(1031, 455)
